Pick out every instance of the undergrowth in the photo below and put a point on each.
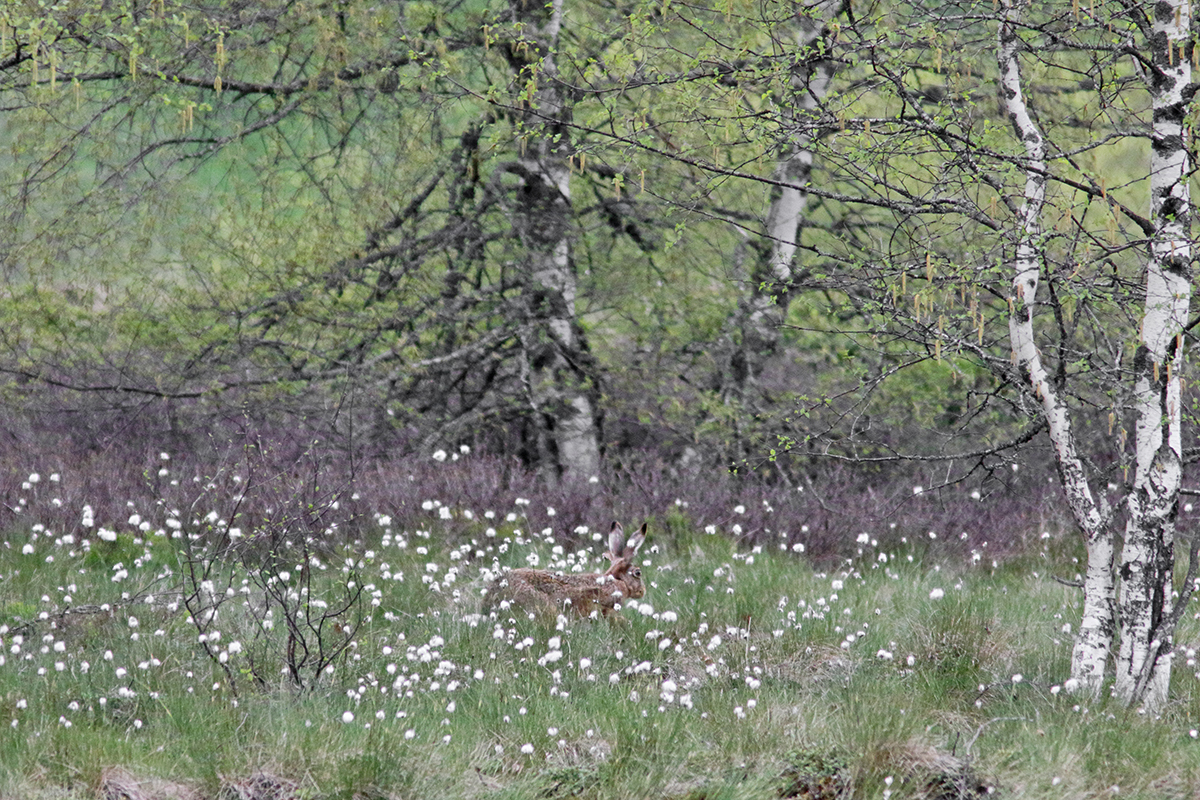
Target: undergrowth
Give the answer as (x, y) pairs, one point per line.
(239, 637)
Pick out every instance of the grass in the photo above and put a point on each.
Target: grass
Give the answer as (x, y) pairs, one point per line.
(742, 673)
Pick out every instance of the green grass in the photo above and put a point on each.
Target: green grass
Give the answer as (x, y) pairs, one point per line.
(753, 675)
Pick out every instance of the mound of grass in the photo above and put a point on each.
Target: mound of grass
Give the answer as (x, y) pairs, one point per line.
(815, 775)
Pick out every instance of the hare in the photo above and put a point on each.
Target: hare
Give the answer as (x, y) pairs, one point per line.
(546, 593)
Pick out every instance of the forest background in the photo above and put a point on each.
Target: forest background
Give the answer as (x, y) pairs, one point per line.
(829, 251)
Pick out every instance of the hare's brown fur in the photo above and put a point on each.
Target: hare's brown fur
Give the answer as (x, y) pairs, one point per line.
(549, 594)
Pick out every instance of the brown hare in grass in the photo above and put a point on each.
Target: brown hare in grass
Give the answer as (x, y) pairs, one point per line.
(545, 593)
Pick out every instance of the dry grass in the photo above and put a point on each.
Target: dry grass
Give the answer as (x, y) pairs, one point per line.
(118, 783)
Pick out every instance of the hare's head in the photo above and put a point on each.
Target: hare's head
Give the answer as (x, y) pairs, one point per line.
(624, 572)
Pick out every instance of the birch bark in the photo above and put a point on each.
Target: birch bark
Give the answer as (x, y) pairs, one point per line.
(1093, 643)
(1148, 559)
(560, 388)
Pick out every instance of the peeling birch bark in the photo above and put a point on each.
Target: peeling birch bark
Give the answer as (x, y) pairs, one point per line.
(561, 391)
(1093, 642)
(1148, 558)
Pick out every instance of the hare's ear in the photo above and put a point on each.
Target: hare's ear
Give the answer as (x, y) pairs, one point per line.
(635, 542)
(616, 541)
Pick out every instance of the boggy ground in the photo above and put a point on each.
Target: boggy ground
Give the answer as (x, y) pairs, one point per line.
(233, 633)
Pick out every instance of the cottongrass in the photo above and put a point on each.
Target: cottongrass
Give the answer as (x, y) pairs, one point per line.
(909, 672)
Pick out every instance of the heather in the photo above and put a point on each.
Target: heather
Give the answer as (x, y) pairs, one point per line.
(258, 619)
(270, 469)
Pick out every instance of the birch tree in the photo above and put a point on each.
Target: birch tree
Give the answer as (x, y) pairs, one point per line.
(337, 208)
(763, 306)
(1147, 558)
(561, 376)
(1045, 274)
(1098, 625)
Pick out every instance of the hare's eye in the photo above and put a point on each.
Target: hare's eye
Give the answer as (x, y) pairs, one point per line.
(637, 573)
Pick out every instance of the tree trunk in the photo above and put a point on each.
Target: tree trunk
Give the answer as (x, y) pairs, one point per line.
(1148, 558)
(561, 387)
(763, 309)
(1094, 641)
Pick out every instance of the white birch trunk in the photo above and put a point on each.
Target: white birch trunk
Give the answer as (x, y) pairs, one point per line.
(1147, 560)
(765, 308)
(559, 389)
(1094, 640)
